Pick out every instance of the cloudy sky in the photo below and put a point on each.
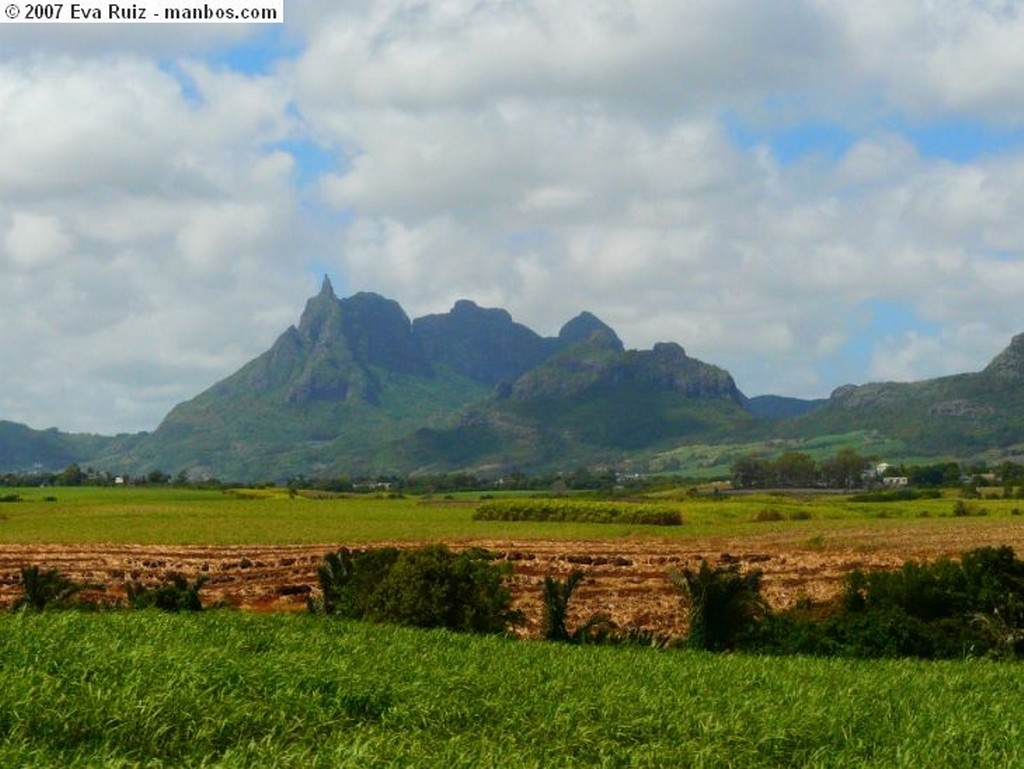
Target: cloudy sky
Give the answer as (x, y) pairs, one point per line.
(807, 193)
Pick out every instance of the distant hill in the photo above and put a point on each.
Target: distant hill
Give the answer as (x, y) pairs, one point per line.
(24, 450)
(961, 415)
(356, 387)
(781, 407)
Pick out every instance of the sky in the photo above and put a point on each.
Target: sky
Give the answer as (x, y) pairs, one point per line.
(806, 193)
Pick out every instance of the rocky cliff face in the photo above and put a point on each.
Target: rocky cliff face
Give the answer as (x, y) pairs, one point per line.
(601, 362)
(1009, 364)
(483, 344)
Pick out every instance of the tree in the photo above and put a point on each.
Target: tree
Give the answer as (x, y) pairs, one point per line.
(750, 473)
(174, 596)
(795, 469)
(556, 606)
(157, 477)
(723, 604)
(845, 470)
(427, 587)
(434, 587)
(71, 476)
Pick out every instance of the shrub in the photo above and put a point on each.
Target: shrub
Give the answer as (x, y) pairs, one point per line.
(944, 609)
(725, 607)
(557, 593)
(769, 515)
(896, 495)
(176, 595)
(427, 587)
(556, 606)
(46, 589)
(348, 579)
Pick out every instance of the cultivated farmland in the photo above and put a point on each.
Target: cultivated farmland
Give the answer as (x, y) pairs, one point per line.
(260, 550)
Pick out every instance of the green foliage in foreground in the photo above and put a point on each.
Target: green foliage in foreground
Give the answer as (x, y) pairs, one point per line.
(577, 510)
(237, 690)
(944, 609)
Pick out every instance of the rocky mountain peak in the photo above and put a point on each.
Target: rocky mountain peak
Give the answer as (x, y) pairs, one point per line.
(584, 326)
(1009, 363)
(322, 316)
(378, 332)
(484, 344)
(326, 289)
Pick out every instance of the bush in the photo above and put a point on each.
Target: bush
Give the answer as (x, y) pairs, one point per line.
(427, 587)
(348, 580)
(174, 596)
(598, 628)
(945, 609)
(769, 515)
(725, 607)
(46, 589)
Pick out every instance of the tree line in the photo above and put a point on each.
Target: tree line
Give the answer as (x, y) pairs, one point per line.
(848, 469)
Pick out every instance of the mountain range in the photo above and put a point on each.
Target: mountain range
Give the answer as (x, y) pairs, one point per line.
(358, 388)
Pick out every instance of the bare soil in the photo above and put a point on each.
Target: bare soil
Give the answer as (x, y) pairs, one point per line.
(626, 580)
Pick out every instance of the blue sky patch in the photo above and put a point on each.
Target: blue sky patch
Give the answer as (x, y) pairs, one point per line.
(960, 140)
(187, 84)
(876, 320)
(312, 160)
(258, 54)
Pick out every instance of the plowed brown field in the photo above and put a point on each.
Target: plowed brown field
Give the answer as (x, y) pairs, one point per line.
(625, 579)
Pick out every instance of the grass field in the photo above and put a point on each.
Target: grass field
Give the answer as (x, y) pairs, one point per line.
(226, 688)
(181, 516)
(229, 689)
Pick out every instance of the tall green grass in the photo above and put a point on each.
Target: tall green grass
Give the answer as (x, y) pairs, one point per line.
(233, 690)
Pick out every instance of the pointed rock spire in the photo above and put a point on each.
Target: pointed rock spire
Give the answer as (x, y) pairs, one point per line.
(322, 314)
(584, 326)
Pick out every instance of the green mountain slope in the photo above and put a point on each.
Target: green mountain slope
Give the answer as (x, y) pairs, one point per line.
(592, 403)
(960, 415)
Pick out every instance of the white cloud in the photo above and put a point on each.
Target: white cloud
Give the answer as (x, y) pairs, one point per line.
(545, 157)
(143, 235)
(35, 240)
(937, 57)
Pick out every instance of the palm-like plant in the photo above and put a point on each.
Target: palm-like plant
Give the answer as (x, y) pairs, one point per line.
(45, 588)
(723, 604)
